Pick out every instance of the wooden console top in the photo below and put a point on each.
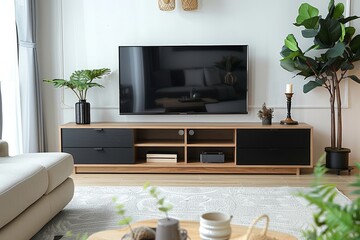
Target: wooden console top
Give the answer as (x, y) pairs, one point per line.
(169, 125)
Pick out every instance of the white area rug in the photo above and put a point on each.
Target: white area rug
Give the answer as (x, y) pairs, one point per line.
(92, 209)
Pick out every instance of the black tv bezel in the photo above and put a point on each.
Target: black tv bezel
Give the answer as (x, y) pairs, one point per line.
(188, 113)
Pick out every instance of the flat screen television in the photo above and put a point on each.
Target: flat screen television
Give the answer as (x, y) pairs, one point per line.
(206, 79)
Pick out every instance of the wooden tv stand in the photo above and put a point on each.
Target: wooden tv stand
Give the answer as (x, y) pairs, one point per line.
(247, 147)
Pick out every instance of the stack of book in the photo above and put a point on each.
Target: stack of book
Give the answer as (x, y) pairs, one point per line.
(161, 157)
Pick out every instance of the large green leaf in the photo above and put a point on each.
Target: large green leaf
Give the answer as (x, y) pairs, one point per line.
(338, 11)
(349, 33)
(302, 65)
(330, 32)
(306, 11)
(355, 78)
(291, 43)
(343, 32)
(332, 64)
(78, 76)
(310, 23)
(331, 5)
(285, 51)
(309, 33)
(347, 66)
(348, 19)
(310, 86)
(336, 51)
(97, 73)
(288, 65)
(355, 44)
(356, 56)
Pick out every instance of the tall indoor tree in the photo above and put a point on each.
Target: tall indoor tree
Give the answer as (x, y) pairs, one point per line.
(326, 63)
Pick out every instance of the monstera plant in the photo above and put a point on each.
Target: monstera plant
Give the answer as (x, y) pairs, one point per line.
(326, 63)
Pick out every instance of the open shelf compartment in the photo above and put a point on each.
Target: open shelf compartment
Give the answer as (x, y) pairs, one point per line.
(159, 137)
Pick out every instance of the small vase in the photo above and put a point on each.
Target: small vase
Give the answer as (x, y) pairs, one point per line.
(82, 112)
(168, 228)
(266, 121)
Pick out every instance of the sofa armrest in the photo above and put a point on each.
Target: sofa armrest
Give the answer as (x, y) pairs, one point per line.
(4, 149)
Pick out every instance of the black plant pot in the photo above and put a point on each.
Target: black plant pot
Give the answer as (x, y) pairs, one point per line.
(82, 112)
(337, 158)
(266, 121)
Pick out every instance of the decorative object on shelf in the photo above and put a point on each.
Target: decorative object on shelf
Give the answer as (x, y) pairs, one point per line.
(332, 220)
(215, 226)
(288, 120)
(229, 64)
(166, 5)
(266, 114)
(82, 112)
(80, 82)
(338, 49)
(189, 5)
(262, 236)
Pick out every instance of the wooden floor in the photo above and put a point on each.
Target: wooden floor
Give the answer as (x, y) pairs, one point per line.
(305, 180)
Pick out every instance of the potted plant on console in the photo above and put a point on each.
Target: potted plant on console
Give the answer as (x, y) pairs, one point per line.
(266, 114)
(326, 63)
(80, 82)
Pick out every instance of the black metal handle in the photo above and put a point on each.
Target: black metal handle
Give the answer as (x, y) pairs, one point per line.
(98, 129)
(99, 149)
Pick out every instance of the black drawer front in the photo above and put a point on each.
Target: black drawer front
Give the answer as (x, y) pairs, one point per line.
(273, 138)
(101, 155)
(299, 156)
(97, 137)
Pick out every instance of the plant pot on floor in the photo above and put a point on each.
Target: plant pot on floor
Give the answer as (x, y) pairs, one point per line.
(337, 158)
(82, 112)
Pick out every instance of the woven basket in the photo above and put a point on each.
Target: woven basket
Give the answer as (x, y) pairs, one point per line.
(166, 5)
(189, 5)
(262, 236)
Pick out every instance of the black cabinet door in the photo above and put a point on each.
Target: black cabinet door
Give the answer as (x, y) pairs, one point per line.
(273, 147)
(97, 137)
(273, 138)
(275, 156)
(101, 155)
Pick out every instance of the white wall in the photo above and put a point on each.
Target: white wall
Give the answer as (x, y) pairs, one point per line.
(80, 34)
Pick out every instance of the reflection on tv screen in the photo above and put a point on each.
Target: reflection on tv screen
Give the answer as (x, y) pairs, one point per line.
(183, 79)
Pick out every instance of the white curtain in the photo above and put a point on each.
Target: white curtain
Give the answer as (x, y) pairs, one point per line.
(9, 78)
(30, 85)
(0, 113)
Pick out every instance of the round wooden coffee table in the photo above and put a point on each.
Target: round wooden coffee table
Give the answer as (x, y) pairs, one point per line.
(191, 227)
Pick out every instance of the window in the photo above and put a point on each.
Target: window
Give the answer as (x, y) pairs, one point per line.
(9, 78)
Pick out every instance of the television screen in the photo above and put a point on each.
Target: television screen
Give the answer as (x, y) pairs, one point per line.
(183, 79)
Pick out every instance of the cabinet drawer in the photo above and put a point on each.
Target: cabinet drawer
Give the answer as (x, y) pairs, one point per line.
(97, 137)
(273, 138)
(101, 155)
(276, 156)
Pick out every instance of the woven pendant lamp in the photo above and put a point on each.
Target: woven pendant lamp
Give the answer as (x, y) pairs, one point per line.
(189, 5)
(166, 5)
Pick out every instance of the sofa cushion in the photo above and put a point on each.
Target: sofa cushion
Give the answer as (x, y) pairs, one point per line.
(20, 186)
(59, 166)
(194, 77)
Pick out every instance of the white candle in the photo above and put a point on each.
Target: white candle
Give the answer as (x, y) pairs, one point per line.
(289, 88)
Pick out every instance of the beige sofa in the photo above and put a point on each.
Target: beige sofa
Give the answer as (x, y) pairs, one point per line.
(34, 187)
